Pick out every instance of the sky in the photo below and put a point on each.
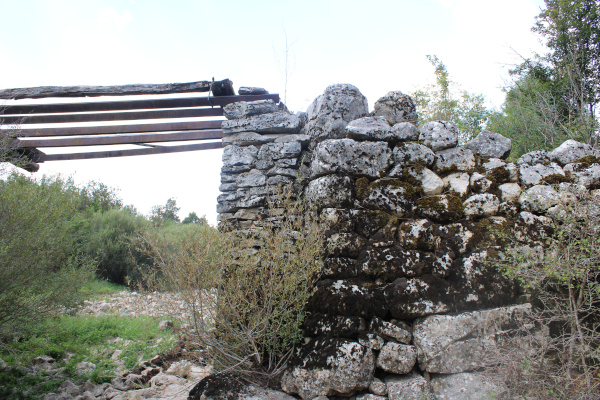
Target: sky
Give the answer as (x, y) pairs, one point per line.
(378, 46)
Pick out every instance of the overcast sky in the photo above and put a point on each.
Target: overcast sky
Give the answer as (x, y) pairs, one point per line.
(378, 46)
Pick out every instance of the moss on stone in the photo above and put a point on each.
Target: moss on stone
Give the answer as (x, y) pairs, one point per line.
(361, 187)
(447, 207)
(556, 179)
(589, 160)
(363, 191)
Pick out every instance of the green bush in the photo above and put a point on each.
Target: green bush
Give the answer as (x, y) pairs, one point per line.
(42, 266)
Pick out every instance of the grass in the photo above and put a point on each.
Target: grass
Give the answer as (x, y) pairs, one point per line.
(101, 288)
(70, 339)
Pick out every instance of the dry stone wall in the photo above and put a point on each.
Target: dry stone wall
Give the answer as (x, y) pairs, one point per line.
(406, 306)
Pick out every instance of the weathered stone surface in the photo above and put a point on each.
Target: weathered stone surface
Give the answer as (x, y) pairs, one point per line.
(539, 198)
(389, 195)
(371, 128)
(439, 135)
(479, 183)
(509, 191)
(457, 184)
(369, 396)
(392, 262)
(481, 205)
(329, 367)
(249, 139)
(531, 175)
(239, 156)
(344, 244)
(441, 208)
(276, 151)
(490, 145)
(369, 159)
(414, 297)
(424, 179)
(418, 234)
(329, 114)
(467, 386)
(396, 107)
(583, 175)
(333, 325)
(246, 90)
(405, 131)
(251, 179)
(243, 109)
(571, 151)
(278, 122)
(408, 387)
(397, 358)
(450, 344)
(378, 387)
(455, 159)
(534, 157)
(348, 297)
(371, 341)
(413, 153)
(330, 191)
(301, 138)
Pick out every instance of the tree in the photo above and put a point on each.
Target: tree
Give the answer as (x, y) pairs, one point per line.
(192, 218)
(554, 97)
(168, 212)
(446, 102)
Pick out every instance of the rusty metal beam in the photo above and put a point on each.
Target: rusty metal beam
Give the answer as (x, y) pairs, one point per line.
(118, 129)
(122, 139)
(122, 105)
(133, 152)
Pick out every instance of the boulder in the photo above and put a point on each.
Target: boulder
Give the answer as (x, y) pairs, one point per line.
(536, 174)
(534, 157)
(583, 175)
(468, 386)
(408, 298)
(439, 135)
(243, 109)
(479, 183)
(405, 131)
(278, 150)
(330, 191)
(278, 122)
(371, 341)
(539, 198)
(329, 114)
(418, 234)
(490, 145)
(481, 205)
(450, 344)
(370, 159)
(457, 184)
(239, 156)
(396, 107)
(397, 358)
(248, 139)
(371, 128)
(441, 208)
(388, 195)
(329, 367)
(572, 151)
(509, 191)
(424, 179)
(413, 153)
(408, 387)
(250, 179)
(378, 387)
(452, 160)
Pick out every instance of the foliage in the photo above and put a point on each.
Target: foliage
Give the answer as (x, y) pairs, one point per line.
(42, 267)
(192, 218)
(167, 213)
(108, 242)
(86, 338)
(97, 196)
(554, 97)
(246, 293)
(444, 101)
(563, 277)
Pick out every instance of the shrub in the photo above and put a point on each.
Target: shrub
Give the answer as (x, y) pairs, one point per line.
(42, 266)
(245, 293)
(562, 275)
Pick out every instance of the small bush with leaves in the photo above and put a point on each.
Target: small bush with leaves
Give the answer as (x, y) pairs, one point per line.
(246, 293)
(562, 276)
(42, 266)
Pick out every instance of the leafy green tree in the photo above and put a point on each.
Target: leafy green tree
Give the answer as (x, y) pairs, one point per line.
(167, 213)
(192, 218)
(97, 196)
(446, 102)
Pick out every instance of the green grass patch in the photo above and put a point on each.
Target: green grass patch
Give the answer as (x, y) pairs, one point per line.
(72, 339)
(100, 288)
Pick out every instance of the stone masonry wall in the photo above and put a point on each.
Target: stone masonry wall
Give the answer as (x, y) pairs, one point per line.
(406, 306)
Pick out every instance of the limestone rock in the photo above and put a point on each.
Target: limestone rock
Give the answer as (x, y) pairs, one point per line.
(371, 128)
(509, 191)
(248, 139)
(455, 159)
(334, 325)
(371, 341)
(423, 178)
(393, 262)
(378, 387)
(278, 122)
(539, 198)
(397, 358)
(571, 151)
(450, 344)
(276, 151)
(441, 208)
(348, 297)
(250, 90)
(490, 145)
(396, 107)
(239, 156)
(413, 153)
(467, 386)
(531, 175)
(329, 114)
(418, 234)
(481, 205)
(250, 179)
(408, 387)
(369, 159)
(439, 135)
(479, 183)
(398, 331)
(457, 183)
(329, 367)
(534, 157)
(344, 244)
(243, 109)
(300, 138)
(330, 191)
(583, 175)
(405, 131)
(388, 195)
(414, 297)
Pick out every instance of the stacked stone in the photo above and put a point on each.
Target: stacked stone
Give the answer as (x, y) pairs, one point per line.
(263, 150)
(411, 218)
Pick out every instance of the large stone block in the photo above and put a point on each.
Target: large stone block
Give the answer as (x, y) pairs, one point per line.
(439, 135)
(370, 159)
(372, 129)
(279, 122)
(468, 386)
(408, 387)
(572, 151)
(396, 358)
(396, 107)
(490, 145)
(243, 109)
(454, 160)
(330, 191)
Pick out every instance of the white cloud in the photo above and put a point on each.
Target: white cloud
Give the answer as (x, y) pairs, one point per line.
(111, 17)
